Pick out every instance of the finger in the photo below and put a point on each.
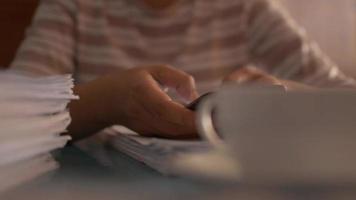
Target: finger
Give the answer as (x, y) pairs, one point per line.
(168, 127)
(241, 75)
(165, 129)
(251, 75)
(268, 80)
(182, 82)
(155, 127)
(169, 115)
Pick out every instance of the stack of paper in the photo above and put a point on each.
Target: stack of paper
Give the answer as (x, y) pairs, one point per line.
(194, 158)
(32, 117)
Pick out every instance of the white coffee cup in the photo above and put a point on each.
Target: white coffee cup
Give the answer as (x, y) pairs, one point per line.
(277, 137)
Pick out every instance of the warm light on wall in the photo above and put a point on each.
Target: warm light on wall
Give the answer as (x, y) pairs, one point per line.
(332, 24)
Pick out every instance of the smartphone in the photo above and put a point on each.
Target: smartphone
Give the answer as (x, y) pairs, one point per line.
(194, 105)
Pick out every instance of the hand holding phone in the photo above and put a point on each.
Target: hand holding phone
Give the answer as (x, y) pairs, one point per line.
(194, 105)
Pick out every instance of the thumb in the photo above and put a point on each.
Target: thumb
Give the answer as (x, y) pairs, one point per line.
(243, 75)
(250, 74)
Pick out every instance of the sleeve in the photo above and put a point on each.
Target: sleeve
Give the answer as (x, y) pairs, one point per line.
(278, 45)
(49, 46)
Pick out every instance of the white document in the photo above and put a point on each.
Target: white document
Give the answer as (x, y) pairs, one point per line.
(32, 117)
(192, 158)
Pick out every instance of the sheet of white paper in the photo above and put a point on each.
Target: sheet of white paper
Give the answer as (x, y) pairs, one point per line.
(32, 115)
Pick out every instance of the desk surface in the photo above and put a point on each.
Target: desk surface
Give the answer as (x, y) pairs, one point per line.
(82, 177)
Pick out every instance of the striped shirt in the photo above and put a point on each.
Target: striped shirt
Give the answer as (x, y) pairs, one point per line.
(206, 38)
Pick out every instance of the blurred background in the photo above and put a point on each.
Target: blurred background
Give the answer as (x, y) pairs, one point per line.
(15, 15)
(332, 23)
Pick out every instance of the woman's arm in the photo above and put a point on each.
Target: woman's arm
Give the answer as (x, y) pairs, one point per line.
(134, 98)
(131, 98)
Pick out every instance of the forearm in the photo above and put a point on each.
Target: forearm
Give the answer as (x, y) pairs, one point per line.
(133, 98)
(91, 113)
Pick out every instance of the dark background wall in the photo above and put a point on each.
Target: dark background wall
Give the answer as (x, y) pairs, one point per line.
(15, 16)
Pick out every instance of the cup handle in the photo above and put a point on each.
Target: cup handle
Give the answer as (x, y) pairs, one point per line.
(205, 123)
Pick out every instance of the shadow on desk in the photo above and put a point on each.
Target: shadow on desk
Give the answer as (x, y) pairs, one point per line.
(81, 177)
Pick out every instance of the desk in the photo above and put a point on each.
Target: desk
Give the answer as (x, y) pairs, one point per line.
(82, 177)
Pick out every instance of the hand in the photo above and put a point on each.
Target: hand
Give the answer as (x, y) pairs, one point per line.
(253, 75)
(134, 98)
